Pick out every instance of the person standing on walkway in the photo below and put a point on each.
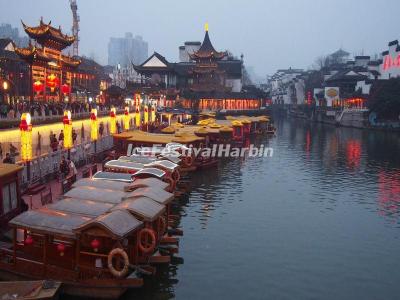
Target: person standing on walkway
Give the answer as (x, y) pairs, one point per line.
(7, 159)
(101, 129)
(61, 136)
(39, 144)
(74, 136)
(64, 167)
(13, 152)
(54, 143)
(72, 169)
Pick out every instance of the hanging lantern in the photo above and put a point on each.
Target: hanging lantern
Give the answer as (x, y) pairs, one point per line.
(95, 245)
(113, 121)
(146, 114)
(65, 89)
(38, 86)
(26, 137)
(138, 117)
(67, 121)
(153, 114)
(61, 249)
(52, 82)
(126, 118)
(93, 125)
(28, 241)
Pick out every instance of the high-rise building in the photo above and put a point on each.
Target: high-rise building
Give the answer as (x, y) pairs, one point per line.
(127, 50)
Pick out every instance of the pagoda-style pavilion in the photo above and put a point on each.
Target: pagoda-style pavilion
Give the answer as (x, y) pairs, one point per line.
(51, 71)
(209, 81)
(206, 76)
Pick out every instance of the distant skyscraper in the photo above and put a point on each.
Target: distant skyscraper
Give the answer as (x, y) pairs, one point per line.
(128, 49)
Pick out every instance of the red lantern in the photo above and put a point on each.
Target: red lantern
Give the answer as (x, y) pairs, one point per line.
(61, 249)
(52, 81)
(23, 125)
(65, 88)
(28, 241)
(38, 86)
(93, 116)
(95, 245)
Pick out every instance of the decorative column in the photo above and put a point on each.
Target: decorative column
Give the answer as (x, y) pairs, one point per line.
(67, 121)
(94, 128)
(113, 121)
(25, 128)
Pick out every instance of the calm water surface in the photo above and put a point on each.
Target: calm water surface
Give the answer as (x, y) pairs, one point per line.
(318, 220)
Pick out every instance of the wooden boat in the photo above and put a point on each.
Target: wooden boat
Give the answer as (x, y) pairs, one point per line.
(165, 170)
(138, 179)
(96, 241)
(10, 186)
(146, 204)
(122, 186)
(78, 249)
(29, 290)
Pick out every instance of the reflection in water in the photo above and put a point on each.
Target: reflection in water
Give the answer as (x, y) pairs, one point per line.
(318, 220)
(353, 153)
(389, 192)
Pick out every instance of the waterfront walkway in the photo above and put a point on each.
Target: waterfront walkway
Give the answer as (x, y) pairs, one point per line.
(55, 187)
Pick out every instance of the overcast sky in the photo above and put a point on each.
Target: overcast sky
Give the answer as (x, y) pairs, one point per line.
(271, 34)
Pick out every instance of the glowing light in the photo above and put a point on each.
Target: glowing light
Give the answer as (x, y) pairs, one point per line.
(65, 88)
(206, 27)
(38, 86)
(26, 137)
(67, 121)
(52, 82)
(5, 85)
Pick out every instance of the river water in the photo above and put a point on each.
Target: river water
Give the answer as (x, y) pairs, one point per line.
(318, 220)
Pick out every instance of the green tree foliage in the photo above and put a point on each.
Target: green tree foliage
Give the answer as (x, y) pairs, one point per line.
(384, 98)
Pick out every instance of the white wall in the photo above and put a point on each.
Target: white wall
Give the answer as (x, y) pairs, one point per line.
(235, 84)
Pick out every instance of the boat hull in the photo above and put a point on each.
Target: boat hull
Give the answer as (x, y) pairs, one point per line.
(96, 289)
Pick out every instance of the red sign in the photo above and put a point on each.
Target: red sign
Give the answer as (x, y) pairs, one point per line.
(390, 62)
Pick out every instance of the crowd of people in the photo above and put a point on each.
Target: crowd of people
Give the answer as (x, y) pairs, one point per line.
(67, 168)
(43, 109)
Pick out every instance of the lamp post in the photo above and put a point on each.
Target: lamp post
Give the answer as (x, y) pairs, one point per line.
(5, 86)
(113, 121)
(25, 128)
(93, 128)
(126, 118)
(67, 121)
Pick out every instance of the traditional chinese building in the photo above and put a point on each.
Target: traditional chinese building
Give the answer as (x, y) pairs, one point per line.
(206, 75)
(206, 80)
(51, 71)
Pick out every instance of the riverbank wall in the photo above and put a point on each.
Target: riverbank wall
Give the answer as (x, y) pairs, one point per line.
(348, 117)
